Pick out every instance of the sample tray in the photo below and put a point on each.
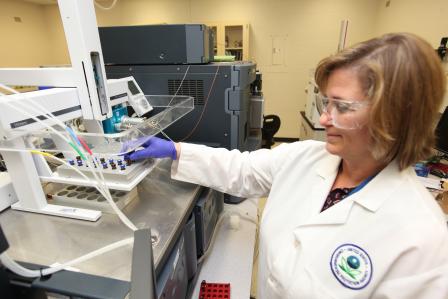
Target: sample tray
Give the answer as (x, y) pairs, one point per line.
(110, 173)
(90, 198)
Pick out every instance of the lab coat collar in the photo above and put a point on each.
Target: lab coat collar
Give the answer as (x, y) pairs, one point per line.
(328, 166)
(373, 195)
(337, 214)
(326, 169)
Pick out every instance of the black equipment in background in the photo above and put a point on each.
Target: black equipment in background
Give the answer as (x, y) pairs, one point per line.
(442, 133)
(222, 99)
(157, 44)
(271, 125)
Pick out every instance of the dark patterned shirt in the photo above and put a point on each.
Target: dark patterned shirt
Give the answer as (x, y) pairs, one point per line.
(336, 196)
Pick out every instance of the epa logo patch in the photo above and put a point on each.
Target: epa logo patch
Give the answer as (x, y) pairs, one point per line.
(352, 267)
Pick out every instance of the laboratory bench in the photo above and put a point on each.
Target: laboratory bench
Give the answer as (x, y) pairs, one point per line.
(164, 205)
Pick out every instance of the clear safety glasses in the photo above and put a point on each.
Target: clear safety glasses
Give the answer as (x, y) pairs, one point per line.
(344, 114)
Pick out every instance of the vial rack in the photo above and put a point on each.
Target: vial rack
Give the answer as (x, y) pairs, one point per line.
(114, 169)
(90, 198)
(214, 290)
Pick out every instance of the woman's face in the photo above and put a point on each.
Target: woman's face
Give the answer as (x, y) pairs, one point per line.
(343, 84)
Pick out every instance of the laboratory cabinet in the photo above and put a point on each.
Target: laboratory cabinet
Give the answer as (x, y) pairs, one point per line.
(231, 39)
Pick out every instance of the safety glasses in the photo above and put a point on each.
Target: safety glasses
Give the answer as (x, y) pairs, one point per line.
(345, 114)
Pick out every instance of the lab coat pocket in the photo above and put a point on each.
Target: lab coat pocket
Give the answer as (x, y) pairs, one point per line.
(311, 287)
(281, 265)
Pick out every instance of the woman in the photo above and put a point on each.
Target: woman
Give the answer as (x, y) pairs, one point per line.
(346, 218)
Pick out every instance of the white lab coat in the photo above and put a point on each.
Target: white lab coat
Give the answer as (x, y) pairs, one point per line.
(394, 220)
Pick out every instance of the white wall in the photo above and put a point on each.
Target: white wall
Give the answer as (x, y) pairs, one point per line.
(309, 28)
(428, 19)
(25, 43)
(58, 50)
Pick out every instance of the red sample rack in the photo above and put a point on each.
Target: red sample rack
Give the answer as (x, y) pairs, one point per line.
(214, 290)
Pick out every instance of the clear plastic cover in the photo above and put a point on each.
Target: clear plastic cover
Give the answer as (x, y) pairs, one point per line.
(113, 144)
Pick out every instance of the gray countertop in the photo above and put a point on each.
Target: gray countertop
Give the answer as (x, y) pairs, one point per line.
(162, 204)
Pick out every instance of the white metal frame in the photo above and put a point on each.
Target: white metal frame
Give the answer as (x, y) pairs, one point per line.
(87, 84)
(81, 33)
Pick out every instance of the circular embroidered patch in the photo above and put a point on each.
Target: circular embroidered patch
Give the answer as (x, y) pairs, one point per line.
(352, 267)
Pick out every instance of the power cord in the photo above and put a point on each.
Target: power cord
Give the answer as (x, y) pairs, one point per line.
(203, 109)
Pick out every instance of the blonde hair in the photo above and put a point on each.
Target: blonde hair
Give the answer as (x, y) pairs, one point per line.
(403, 78)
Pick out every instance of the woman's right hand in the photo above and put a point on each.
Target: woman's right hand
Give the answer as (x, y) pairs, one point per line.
(152, 147)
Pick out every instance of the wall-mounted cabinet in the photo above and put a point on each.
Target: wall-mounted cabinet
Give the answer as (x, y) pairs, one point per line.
(214, 30)
(231, 39)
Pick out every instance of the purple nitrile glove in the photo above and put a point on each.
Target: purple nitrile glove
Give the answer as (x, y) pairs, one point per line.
(153, 147)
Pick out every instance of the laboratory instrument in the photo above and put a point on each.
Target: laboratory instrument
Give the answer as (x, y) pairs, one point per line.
(176, 44)
(30, 122)
(85, 118)
(229, 104)
(222, 100)
(228, 110)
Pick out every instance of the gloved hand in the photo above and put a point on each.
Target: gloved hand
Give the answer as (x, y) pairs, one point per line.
(153, 147)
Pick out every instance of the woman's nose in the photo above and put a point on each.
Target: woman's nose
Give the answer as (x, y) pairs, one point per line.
(325, 119)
